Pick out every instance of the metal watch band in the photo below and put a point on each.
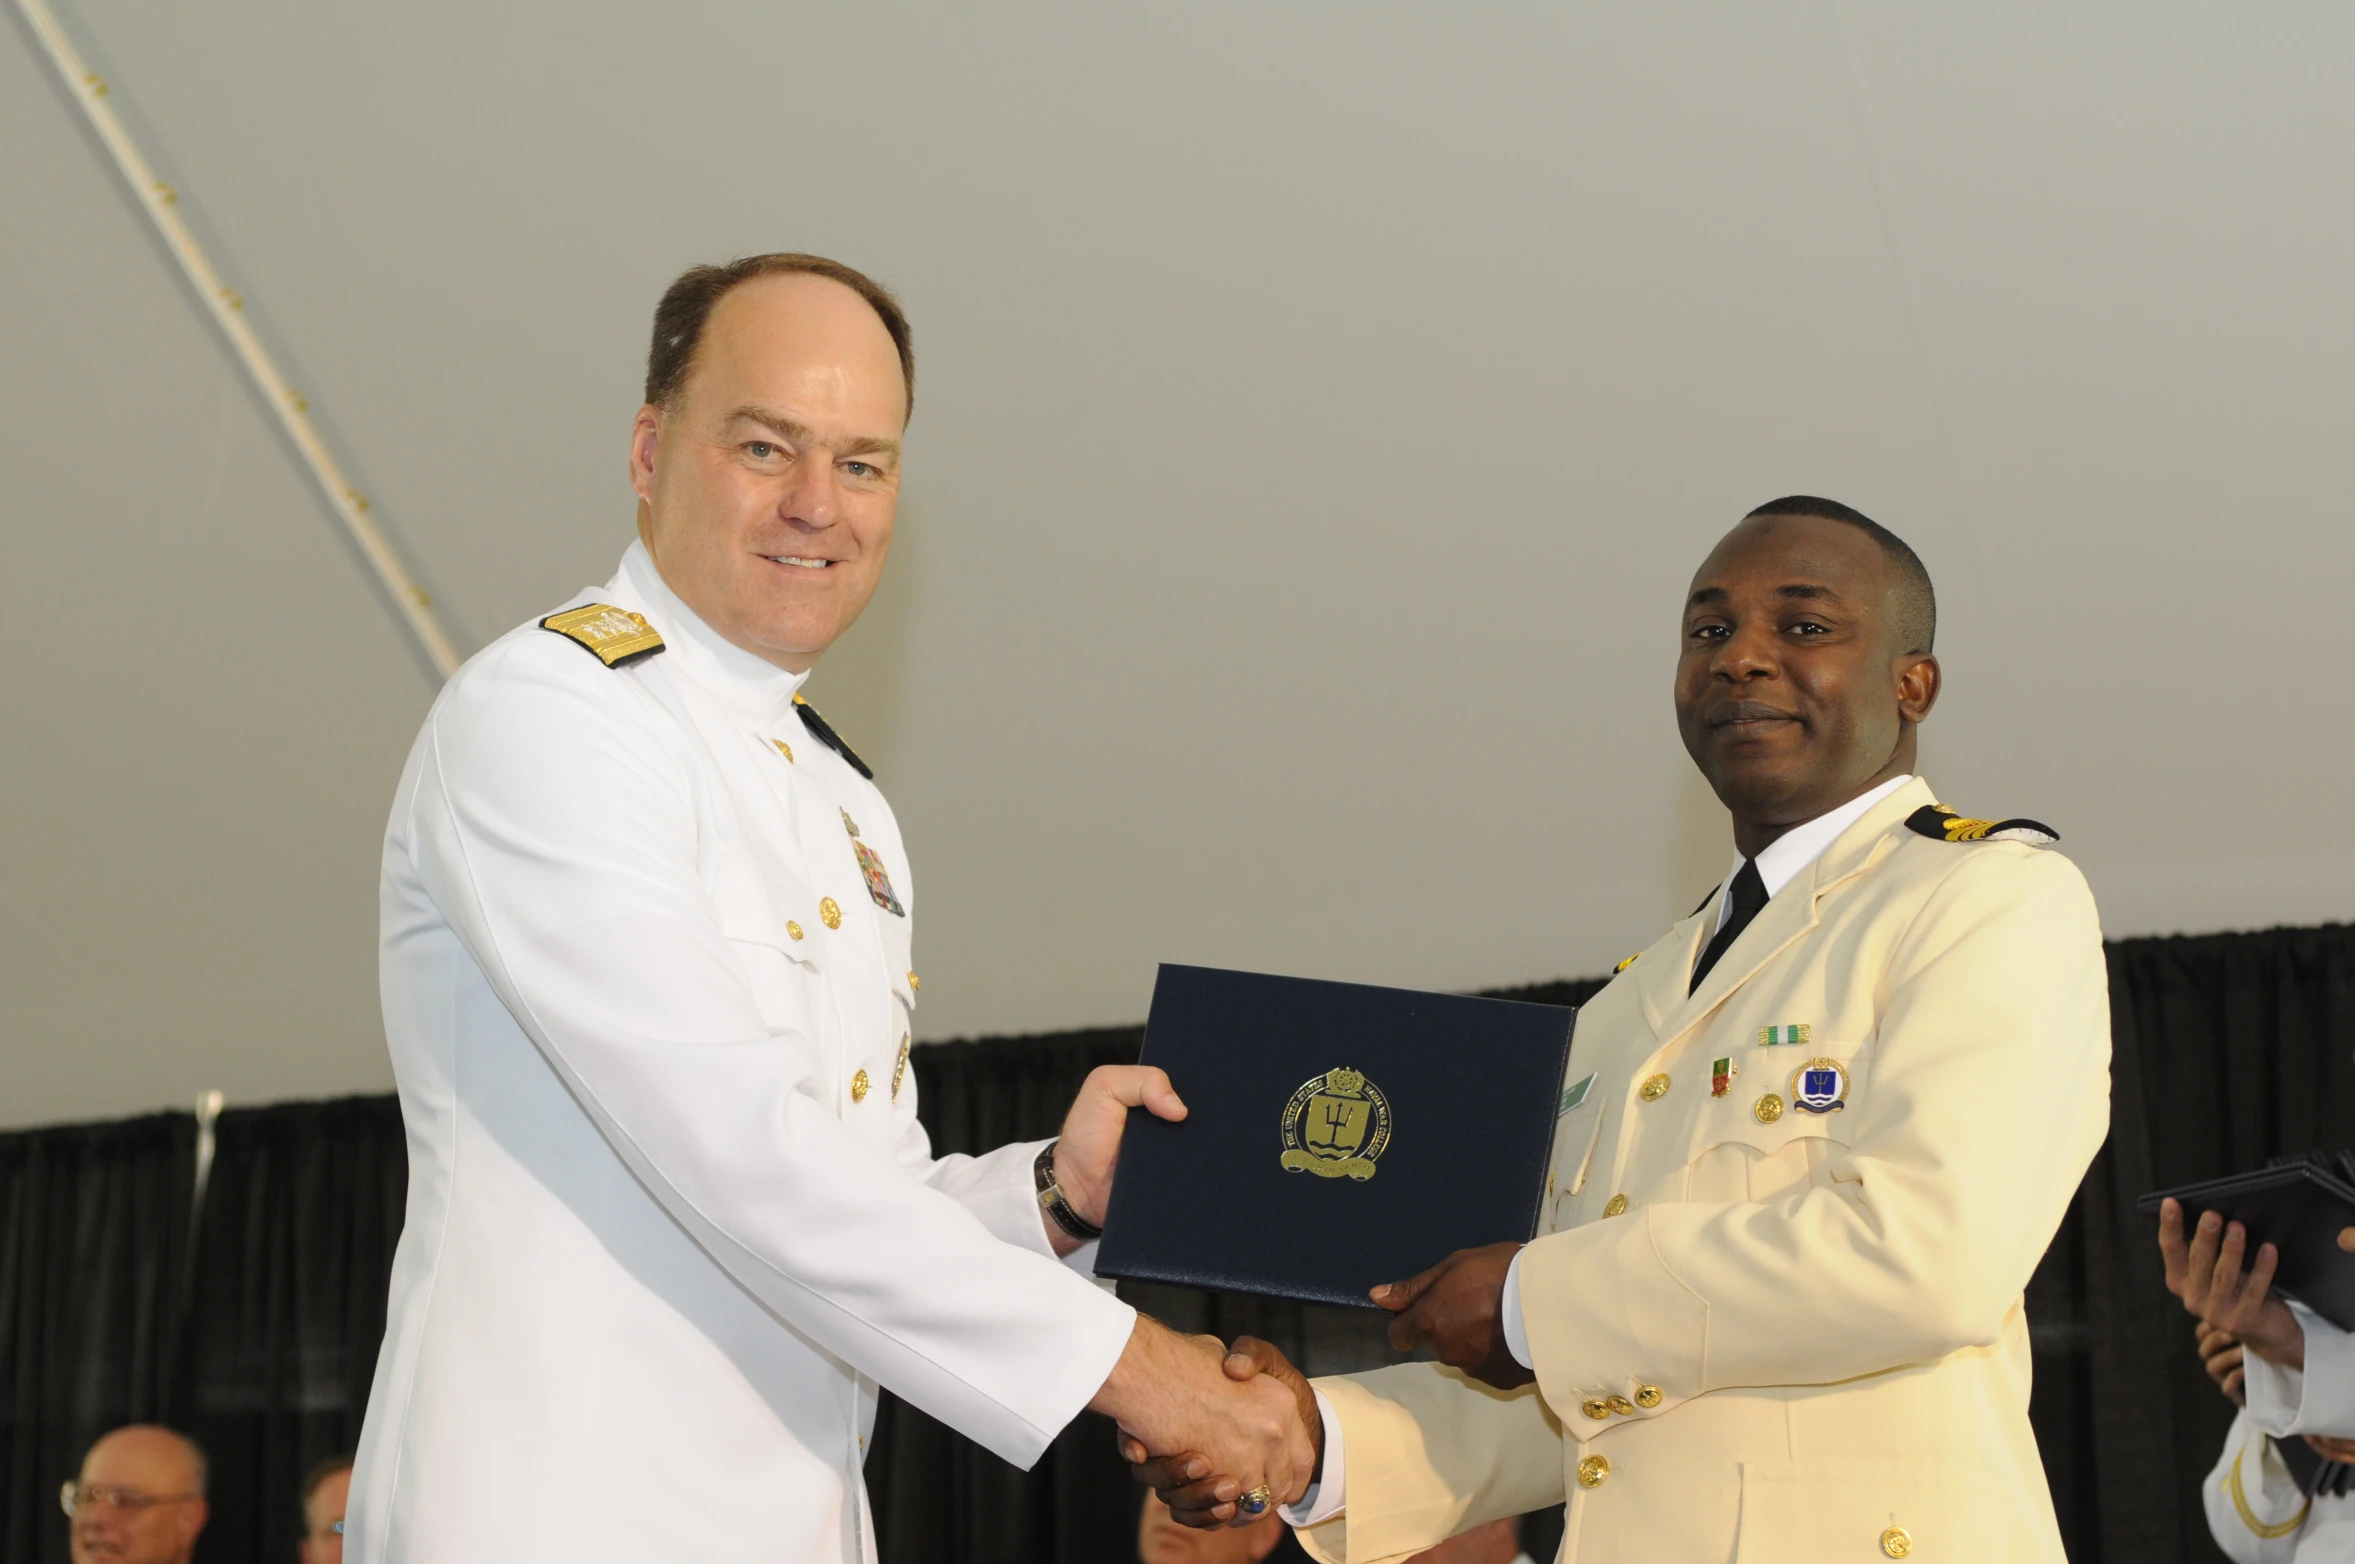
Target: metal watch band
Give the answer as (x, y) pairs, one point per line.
(1055, 1203)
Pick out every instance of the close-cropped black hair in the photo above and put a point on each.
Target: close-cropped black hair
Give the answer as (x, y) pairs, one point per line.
(1917, 600)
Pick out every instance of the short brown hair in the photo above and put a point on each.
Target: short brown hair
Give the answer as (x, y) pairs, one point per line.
(326, 1467)
(687, 304)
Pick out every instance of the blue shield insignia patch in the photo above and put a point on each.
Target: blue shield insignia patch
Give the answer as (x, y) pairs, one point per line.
(1819, 1086)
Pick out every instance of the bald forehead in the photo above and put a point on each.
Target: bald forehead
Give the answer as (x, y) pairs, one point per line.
(156, 1457)
(794, 319)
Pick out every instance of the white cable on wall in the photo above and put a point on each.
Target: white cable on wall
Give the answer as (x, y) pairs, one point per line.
(228, 311)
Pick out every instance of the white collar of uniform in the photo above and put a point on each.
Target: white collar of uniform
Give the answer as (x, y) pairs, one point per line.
(1780, 860)
(759, 690)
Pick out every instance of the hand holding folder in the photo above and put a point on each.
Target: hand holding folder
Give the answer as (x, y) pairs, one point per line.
(2299, 1214)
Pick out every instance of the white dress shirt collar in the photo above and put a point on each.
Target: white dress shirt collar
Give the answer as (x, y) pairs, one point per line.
(757, 689)
(1781, 860)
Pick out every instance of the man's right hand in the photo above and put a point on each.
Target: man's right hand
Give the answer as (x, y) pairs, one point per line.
(1183, 1399)
(1194, 1487)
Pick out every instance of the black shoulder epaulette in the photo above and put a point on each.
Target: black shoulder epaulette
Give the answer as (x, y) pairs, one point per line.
(613, 636)
(1936, 820)
(831, 739)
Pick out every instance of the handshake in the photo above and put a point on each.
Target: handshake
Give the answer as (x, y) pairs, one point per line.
(1226, 1434)
(1223, 1434)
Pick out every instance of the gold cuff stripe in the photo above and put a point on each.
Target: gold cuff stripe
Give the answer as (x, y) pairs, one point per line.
(2240, 1502)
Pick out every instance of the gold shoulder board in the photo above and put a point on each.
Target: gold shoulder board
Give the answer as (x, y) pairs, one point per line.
(615, 635)
(1942, 824)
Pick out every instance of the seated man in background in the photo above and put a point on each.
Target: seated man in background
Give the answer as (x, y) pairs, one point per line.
(325, 1487)
(1161, 1540)
(140, 1498)
(2280, 1489)
(1816, 1138)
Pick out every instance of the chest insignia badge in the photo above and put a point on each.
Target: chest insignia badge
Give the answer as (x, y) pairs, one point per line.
(899, 1067)
(1819, 1086)
(1575, 1095)
(878, 877)
(1721, 1077)
(1784, 1036)
(1336, 1126)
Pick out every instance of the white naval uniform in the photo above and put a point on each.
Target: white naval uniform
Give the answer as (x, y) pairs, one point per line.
(2285, 1403)
(671, 1217)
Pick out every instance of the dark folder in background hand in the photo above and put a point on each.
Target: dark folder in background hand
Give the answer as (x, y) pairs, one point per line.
(2297, 1205)
(1337, 1136)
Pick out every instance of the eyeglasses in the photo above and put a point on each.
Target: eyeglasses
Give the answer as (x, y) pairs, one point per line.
(76, 1497)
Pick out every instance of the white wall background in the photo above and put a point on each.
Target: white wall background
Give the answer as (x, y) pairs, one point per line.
(1320, 409)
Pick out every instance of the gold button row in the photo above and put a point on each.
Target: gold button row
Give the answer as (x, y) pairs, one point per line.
(1597, 1408)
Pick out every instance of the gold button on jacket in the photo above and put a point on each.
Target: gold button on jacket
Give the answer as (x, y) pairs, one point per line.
(858, 1087)
(1820, 1315)
(1897, 1542)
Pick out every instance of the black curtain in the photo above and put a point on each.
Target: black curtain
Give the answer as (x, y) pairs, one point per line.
(93, 1260)
(2229, 1049)
(293, 1261)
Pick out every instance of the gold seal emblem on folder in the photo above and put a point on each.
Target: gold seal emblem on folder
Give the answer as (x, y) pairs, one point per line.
(1336, 1126)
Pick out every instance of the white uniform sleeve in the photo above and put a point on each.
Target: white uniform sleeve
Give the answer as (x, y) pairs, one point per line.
(997, 1187)
(2319, 1399)
(1509, 1316)
(562, 848)
(2249, 1493)
(1329, 1495)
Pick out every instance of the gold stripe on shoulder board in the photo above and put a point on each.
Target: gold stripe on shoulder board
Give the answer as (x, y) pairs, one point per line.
(613, 635)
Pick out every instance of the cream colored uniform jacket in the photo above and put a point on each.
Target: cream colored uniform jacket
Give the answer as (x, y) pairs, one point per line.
(1814, 1324)
(671, 1217)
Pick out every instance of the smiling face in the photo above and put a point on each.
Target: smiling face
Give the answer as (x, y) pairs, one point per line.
(767, 490)
(1795, 691)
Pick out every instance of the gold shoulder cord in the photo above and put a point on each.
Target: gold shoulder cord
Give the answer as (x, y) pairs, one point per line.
(2240, 1502)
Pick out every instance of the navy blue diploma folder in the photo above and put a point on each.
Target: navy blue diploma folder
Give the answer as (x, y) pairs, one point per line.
(1338, 1136)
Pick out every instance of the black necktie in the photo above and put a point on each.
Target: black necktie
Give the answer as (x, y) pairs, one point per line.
(1749, 896)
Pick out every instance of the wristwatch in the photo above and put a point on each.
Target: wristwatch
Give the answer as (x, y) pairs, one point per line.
(1055, 1203)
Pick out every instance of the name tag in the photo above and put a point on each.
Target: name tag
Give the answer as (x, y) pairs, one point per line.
(1575, 1095)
